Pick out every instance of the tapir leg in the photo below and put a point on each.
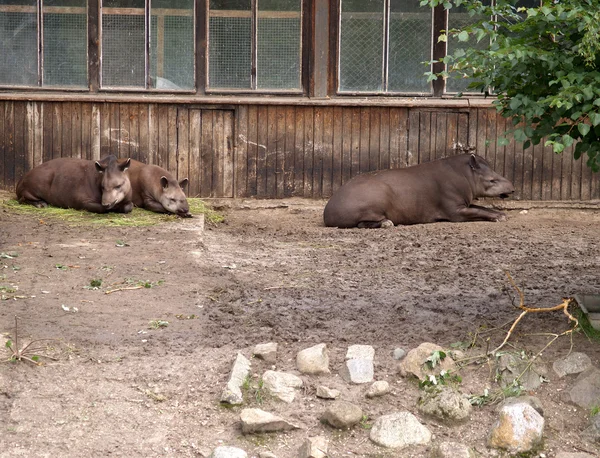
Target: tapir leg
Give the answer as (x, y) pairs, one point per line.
(29, 198)
(477, 213)
(384, 223)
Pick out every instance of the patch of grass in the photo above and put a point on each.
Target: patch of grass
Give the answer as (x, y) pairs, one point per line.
(585, 326)
(157, 324)
(365, 423)
(594, 411)
(138, 217)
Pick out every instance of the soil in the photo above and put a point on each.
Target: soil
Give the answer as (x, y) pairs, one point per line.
(122, 385)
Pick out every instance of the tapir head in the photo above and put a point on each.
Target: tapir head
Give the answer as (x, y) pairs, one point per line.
(115, 183)
(487, 182)
(173, 198)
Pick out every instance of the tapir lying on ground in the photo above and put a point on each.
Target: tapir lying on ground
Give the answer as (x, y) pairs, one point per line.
(155, 189)
(441, 190)
(97, 186)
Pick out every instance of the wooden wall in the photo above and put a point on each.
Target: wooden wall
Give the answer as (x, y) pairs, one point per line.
(274, 151)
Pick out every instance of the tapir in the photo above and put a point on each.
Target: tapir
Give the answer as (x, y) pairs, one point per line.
(441, 190)
(97, 186)
(155, 189)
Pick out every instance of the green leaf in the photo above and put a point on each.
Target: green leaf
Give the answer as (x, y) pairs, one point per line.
(527, 144)
(567, 140)
(595, 118)
(583, 128)
(8, 344)
(443, 38)
(558, 147)
(463, 36)
(520, 135)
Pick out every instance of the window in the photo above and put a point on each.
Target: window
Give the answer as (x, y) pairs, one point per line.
(382, 46)
(147, 44)
(43, 43)
(255, 45)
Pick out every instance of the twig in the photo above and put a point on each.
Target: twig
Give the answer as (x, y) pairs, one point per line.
(123, 289)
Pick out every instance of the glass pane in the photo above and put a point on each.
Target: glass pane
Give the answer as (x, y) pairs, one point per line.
(123, 45)
(18, 43)
(230, 44)
(410, 46)
(361, 45)
(279, 36)
(458, 17)
(172, 44)
(65, 43)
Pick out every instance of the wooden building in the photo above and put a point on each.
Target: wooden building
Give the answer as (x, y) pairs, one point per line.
(250, 98)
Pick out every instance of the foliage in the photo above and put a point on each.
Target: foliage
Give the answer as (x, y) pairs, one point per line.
(443, 378)
(542, 63)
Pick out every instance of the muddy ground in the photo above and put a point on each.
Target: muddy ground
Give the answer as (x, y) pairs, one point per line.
(270, 272)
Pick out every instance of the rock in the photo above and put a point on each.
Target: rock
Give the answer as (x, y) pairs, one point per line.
(358, 367)
(592, 432)
(313, 360)
(457, 355)
(586, 390)
(267, 352)
(531, 400)
(453, 450)
(327, 393)
(399, 353)
(342, 415)
(399, 429)
(574, 363)
(414, 364)
(511, 366)
(378, 388)
(259, 421)
(314, 447)
(228, 452)
(232, 394)
(281, 385)
(573, 455)
(518, 430)
(445, 403)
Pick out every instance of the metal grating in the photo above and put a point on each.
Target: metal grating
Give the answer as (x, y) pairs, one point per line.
(18, 49)
(278, 53)
(65, 50)
(123, 50)
(230, 53)
(409, 47)
(179, 51)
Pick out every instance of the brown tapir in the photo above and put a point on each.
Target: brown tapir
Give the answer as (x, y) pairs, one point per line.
(97, 186)
(157, 190)
(441, 190)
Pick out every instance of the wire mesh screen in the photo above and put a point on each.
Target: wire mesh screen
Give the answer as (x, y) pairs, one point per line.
(18, 48)
(409, 47)
(178, 60)
(278, 53)
(123, 50)
(230, 53)
(65, 49)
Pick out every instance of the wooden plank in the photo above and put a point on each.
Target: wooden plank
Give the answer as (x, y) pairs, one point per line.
(595, 186)
(462, 135)
(355, 142)
(576, 178)
(299, 152)
(439, 133)
(280, 152)
(3, 143)
(402, 126)
(219, 155)
(346, 146)
(414, 130)
(38, 125)
(499, 163)
(153, 134)
(537, 171)
(183, 145)
(57, 130)
(124, 134)
(365, 130)
(336, 148)
(261, 159)
(67, 127)
(86, 130)
(134, 131)
(206, 155)
(29, 139)
(172, 139)
(482, 135)
(228, 178)
(527, 173)
(195, 135)
(327, 154)
(509, 155)
(384, 138)
(566, 160)
(162, 157)
(556, 176)
(20, 164)
(76, 130)
(96, 131)
(491, 136)
(425, 137)
(289, 151)
(48, 116)
(374, 137)
(317, 182)
(105, 129)
(547, 172)
(473, 132)
(252, 181)
(115, 129)
(143, 136)
(241, 153)
(308, 151)
(586, 179)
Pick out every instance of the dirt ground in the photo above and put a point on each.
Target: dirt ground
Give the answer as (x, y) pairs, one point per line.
(270, 272)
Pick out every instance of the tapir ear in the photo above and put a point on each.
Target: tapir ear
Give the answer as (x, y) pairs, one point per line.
(473, 162)
(99, 167)
(164, 182)
(183, 183)
(125, 165)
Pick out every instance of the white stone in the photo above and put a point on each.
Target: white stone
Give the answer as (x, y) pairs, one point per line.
(327, 393)
(399, 429)
(360, 352)
(259, 421)
(232, 394)
(314, 447)
(378, 388)
(266, 352)
(228, 452)
(282, 385)
(313, 360)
